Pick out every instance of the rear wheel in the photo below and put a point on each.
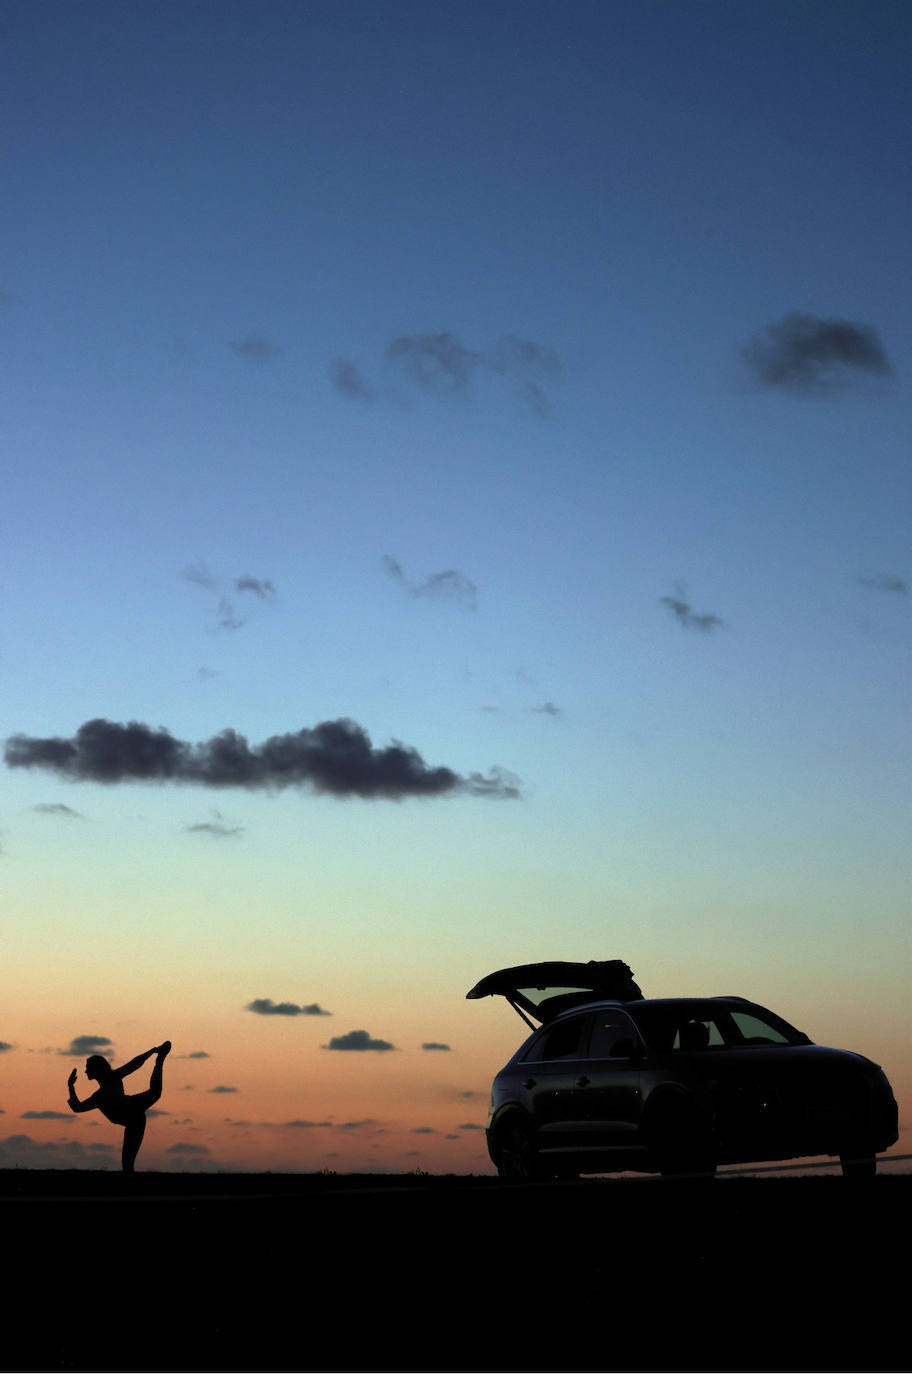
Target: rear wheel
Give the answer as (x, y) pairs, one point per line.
(856, 1163)
(517, 1158)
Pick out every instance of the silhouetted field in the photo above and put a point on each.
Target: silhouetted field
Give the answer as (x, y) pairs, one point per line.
(318, 1272)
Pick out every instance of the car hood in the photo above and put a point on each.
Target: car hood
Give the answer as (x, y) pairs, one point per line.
(545, 989)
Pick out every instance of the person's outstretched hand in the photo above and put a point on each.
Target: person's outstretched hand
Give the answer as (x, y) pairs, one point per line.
(72, 1079)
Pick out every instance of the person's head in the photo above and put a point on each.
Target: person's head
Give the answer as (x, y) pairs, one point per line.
(97, 1067)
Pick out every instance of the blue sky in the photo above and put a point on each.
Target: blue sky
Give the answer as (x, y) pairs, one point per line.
(527, 383)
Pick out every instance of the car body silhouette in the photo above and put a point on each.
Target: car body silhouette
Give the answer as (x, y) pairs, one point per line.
(612, 1081)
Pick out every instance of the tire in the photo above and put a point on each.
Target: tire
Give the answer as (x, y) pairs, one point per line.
(517, 1158)
(857, 1164)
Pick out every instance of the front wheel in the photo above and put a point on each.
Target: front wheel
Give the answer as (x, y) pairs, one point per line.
(517, 1159)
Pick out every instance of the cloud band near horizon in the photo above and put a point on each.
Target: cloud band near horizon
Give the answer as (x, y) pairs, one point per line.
(334, 757)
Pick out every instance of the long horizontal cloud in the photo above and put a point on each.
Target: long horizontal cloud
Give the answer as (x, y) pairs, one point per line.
(264, 1006)
(89, 1044)
(805, 353)
(334, 757)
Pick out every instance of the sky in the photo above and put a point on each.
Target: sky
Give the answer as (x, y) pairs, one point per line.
(456, 514)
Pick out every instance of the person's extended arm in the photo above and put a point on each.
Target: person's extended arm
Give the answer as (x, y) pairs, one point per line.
(73, 1100)
(135, 1064)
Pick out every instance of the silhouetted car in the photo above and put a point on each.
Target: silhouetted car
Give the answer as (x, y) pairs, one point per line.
(614, 1081)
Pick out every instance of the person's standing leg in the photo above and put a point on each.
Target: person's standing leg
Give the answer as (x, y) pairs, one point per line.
(134, 1131)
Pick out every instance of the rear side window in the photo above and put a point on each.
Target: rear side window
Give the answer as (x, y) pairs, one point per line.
(562, 1041)
(611, 1031)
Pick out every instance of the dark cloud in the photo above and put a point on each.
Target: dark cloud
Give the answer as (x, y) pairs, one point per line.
(260, 586)
(57, 809)
(356, 1125)
(307, 1125)
(470, 1126)
(4, 1046)
(808, 354)
(347, 380)
(357, 1040)
(335, 757)
(423, 1130)
(886, 582)
(183, 1148)
(221, 1088)
(21, 1151)
(450, 585)
(228, 619)
(197, 1054)
(256, 348)
(89, 1044)
(45, 1116)
(264, 1006)
(686, 616)
(547, 708)
(434, 1045)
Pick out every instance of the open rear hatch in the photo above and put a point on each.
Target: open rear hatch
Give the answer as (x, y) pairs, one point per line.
(544, 990)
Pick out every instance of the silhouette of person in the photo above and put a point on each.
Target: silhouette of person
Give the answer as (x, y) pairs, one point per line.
(123, 1109)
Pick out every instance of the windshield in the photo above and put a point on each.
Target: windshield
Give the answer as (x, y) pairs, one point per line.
(712, 1025)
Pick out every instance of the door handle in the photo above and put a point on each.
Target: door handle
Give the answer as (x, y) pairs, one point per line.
(582, 1082)
(529, 1083)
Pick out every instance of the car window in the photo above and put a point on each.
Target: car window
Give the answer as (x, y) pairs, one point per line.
(611, 1029)
(757, 1031)
(562, 1041)
(698, 1033)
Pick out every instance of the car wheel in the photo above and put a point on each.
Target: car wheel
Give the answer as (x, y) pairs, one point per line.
(857, 1164)
(517, 1159)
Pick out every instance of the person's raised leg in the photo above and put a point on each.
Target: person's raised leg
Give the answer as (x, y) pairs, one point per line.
(155, 1082)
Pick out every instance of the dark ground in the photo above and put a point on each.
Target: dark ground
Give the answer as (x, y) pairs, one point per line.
(317, 1272)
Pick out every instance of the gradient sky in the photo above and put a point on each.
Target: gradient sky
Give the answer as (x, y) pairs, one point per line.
(526, 383)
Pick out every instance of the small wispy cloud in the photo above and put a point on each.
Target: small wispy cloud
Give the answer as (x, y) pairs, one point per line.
(221, 1088)
(804, 353)
(256, 348)
(225, 614)
(44, 1116)
(886, 582)
(217, 828)
(57, 809)
(687, 617)
(434, 1045)
(347, 380)
(260, 586)
(449, 585)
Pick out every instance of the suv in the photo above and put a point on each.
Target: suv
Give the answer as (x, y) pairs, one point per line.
(610, 1080)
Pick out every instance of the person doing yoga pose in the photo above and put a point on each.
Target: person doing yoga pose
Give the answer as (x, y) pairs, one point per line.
(123, 1109)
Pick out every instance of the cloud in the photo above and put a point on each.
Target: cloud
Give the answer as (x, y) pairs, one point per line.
(547, 708)
(886, 582)
(688, 617)
(89, 1044)
(423, 1130)
(216, 828)
(183, 1148)
(307, 1125)
(4, 1046)
(450, 585)
(21, 1151)
(434, 1045)
(45, 1116)
(357, 1040)
(335, 757)
(200, 575)
(260, 586)
(57, 809)
(356, 1125)
(221, 1088)
(470, 1126)
(255, 348)
(264, 1006)
(197, 1054)
(348, 381)
(440, 363)
(808, 354)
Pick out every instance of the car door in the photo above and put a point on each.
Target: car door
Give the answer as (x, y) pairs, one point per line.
(608, 1088)
(550, 1078)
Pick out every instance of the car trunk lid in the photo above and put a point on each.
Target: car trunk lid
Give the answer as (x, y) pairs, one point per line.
(543, 990)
